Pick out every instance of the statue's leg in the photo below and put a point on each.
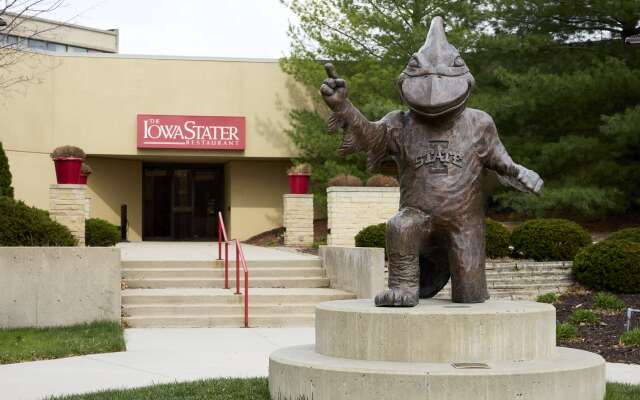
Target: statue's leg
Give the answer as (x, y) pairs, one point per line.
(467, 263)
(406, 232)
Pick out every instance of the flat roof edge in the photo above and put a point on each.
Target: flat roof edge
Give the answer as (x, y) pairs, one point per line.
(112, 32)
(163, 57)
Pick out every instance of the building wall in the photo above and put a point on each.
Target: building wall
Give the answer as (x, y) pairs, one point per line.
(53, 31)
(115, 182)
(255, 196)
(92, 101)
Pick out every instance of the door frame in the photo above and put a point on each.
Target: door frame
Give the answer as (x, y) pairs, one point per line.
(174, 166)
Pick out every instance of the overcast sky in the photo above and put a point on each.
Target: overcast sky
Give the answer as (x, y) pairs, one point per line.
(211, 28)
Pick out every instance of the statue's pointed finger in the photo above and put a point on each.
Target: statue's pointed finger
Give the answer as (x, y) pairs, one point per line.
(331, 71)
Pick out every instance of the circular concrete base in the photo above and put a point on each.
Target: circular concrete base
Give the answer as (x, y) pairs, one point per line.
(301, 373)
(437, 331)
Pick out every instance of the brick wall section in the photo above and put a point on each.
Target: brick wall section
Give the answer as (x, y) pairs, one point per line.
(298, 219)
(68, 206)
(350, 209)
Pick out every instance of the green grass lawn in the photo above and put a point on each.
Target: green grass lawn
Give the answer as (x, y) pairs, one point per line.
(30, 344)
(250, 389)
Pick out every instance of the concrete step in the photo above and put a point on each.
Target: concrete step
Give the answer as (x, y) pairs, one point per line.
(213, 309)
(540, 267)
(224, 296)
(165, 283)
(199, 321)
(217, 264)
(493, 275)
(208, 273)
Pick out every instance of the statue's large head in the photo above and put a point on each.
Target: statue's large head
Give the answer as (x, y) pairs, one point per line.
(436, 82)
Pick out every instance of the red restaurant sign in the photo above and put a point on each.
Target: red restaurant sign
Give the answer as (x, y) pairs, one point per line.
(190, 132)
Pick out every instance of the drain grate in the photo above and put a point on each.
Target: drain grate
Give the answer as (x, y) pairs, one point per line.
(470, 366)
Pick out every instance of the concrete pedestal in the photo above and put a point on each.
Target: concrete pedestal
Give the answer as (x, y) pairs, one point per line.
(435, 351)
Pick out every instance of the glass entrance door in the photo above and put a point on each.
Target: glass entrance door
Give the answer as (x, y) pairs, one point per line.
(181, 202)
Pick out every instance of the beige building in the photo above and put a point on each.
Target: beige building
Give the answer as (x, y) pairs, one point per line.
(93, 98)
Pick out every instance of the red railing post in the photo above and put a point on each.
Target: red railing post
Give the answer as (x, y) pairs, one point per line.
(246, 298)
(237, 267)
(219, 240)
(226, 265)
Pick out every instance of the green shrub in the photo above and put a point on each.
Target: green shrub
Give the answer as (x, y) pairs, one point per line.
(631, 338)
(5, 175)
(100, 233)
(611, 265)
(548, 298)
(630, 234)
(566, 331)
(497, 239)
(549, 239)
(372, 236)
(608, 302)
(583, 316)
(21, 225)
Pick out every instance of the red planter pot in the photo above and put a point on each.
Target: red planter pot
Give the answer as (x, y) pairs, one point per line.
(298, 184)
(83, 179)
(68, 170)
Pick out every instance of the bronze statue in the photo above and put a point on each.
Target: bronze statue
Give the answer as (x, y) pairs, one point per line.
(441, 148)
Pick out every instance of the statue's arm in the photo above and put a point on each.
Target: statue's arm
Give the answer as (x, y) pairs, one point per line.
(360, 134)
(495, 157)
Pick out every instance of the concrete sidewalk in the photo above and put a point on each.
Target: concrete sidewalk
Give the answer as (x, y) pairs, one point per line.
(169, 355)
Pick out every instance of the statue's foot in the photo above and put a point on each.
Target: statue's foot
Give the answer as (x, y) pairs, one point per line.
(398, 297)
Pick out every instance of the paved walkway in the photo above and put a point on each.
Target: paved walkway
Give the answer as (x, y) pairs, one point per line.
(169, 355)
(201, 251)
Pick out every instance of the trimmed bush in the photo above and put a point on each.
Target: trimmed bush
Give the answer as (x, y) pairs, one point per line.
(608, 302)
(344, 180)
(583, 316)
(21, 225)
(548, 298)
(100, 233)
(497, 239)
(68, 151)
(5, 175)
(566, 331)
(611, 265)
(300, 169)
(382, 181)
(630, 234)
(549, 239)
(372, 236)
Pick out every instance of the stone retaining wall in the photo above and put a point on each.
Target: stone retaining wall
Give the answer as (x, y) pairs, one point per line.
(298, 219)
(58, 286)
(350, 209)
(358, 270)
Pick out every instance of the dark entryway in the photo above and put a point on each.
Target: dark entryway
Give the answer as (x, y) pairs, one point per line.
(180, 202)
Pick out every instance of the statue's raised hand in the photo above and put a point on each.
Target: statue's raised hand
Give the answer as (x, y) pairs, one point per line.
(334, 89)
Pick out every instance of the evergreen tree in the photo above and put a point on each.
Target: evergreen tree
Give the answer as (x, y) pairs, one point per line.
(561, 84)
(5, 175)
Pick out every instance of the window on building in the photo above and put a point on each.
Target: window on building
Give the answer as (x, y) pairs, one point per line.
(37, 44)
(61, 48)
(74, 49)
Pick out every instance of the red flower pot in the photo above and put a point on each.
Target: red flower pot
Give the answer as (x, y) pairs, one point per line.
(298, 184)
(68, 170)
(83, 179)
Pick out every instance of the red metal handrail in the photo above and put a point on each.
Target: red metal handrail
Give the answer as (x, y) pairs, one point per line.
(241, 260)
(222, 234)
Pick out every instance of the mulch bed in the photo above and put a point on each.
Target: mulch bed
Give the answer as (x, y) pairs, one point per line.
(603, 338)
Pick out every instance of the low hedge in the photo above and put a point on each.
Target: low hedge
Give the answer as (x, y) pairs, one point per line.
(372, 236)
(21, 225)
(497, 239)
(631, 234)
(100, 233)
(549, 239)
(496, 235)
(611, 265)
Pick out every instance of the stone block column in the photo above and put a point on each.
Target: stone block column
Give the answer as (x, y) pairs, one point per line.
(68, 206)
(298, 219)
(351, 209)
